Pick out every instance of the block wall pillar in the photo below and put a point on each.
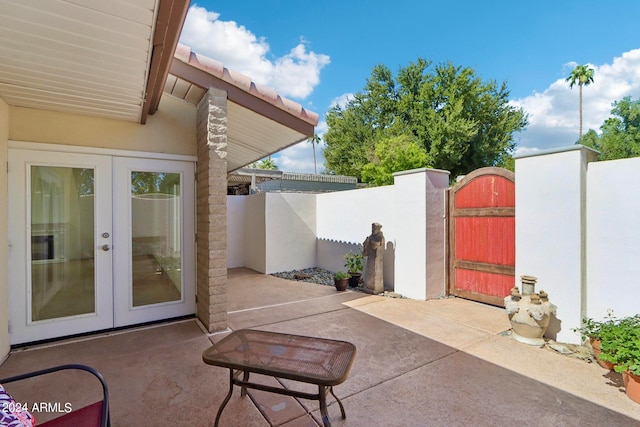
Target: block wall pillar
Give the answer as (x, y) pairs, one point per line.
(211, 209)
(420, 253)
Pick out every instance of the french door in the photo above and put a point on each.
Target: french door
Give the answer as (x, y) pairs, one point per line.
(97, 241)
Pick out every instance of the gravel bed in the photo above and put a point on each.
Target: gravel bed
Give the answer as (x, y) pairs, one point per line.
(311, 275)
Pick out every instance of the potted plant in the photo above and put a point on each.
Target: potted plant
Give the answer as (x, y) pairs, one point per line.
(341, 280)
(353, 264)
(596, 332)
(621, 347)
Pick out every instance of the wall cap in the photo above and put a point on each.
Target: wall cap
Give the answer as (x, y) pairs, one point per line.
(557, 150)
(420, 170)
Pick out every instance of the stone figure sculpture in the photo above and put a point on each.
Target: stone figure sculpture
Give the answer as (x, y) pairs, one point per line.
(374, 250)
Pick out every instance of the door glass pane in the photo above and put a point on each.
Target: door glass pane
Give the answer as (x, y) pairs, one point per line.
(62, 242)
(156, 235)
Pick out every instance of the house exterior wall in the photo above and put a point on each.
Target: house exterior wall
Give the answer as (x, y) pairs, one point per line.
(211, 206)
(171, 130)
(4, 243)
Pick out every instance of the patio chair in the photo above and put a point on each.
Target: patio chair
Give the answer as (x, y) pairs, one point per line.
(96, 414)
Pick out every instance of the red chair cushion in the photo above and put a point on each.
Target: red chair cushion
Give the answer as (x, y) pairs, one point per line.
(87, 417)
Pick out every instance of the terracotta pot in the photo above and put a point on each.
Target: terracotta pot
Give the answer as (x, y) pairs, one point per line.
(341, 284)
(595, 345)
(632, 385)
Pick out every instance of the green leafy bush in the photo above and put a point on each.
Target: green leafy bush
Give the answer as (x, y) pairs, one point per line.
(597, 330)
(341, 275)
(621, 345)
(353, 261)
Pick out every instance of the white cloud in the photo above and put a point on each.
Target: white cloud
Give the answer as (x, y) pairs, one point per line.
(299, 158)
(341, 100)
(554, 113)
(295, 74)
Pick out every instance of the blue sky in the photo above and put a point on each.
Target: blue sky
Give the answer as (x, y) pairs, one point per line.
(318, 53)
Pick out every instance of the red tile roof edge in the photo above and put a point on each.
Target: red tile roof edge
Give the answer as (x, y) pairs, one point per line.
(217, 69)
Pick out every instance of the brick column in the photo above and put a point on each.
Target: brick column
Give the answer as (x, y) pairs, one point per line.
(212, 211)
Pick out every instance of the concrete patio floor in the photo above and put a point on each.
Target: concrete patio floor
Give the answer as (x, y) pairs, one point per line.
(419, 363)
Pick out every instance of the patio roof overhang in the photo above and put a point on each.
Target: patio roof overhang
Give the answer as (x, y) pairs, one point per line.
(117, 59)
(259, 121)
(105, 59)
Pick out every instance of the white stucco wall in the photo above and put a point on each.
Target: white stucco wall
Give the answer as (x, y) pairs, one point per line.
(290, 231)
(330, 254)
(254, 244)
(4, 243)
(613, 236)
(236, 208)
(550, 229)
(347, 215)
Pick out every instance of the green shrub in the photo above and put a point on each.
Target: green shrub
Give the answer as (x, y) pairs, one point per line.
(341, 275)
(353, 261)
(621, 345)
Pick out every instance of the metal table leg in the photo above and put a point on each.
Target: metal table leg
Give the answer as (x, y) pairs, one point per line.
(344, 415)
(226, 399)
(322, 397)
(245, 378)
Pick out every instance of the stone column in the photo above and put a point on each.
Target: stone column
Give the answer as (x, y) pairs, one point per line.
(211, 293)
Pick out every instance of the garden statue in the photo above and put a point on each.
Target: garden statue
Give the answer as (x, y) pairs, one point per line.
(374, 251)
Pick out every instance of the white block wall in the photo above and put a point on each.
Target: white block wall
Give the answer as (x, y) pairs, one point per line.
(613, 238)
(550, 230)
(290, 231)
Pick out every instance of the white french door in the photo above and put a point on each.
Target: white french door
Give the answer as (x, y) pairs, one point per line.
(97, 241)
(154, 256)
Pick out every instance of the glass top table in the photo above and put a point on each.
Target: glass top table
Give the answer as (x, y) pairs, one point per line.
(319, 361)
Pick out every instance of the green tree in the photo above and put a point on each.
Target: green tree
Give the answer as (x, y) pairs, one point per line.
(315, 139)
(460, 122)
(620, 134)
(394, 154)
(583, 76)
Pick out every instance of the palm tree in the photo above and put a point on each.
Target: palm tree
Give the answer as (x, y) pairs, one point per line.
(267, 164)
(315, 139)
(583, 75)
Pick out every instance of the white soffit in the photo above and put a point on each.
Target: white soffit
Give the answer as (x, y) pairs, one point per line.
(251, 136)
(77, 56)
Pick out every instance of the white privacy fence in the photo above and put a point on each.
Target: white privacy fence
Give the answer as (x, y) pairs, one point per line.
(272, 232)
(577, 231)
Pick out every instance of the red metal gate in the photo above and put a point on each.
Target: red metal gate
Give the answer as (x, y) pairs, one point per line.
(482, 236)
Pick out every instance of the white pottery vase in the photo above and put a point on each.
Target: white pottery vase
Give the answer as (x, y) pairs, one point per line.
(530, 313)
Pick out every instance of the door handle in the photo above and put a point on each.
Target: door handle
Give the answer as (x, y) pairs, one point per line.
(106, 248)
